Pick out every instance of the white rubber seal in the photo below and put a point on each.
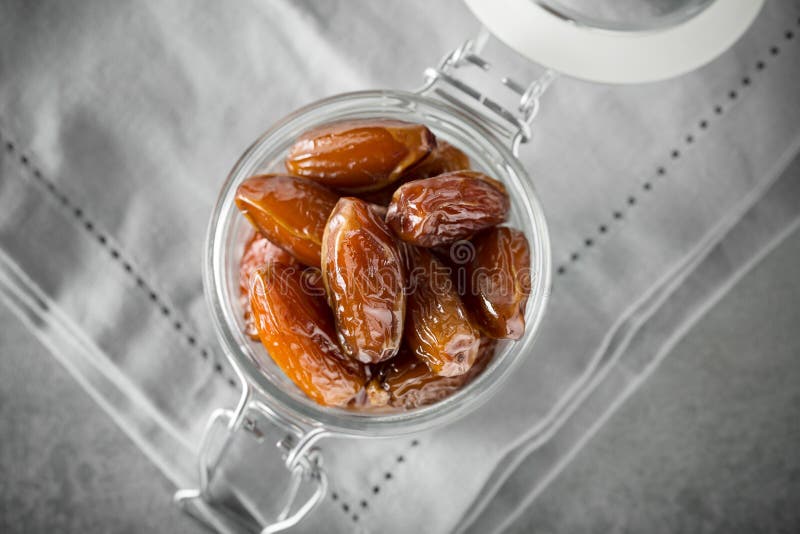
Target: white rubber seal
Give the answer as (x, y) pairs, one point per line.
(615, 56)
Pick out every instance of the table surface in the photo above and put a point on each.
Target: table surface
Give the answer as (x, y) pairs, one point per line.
(709, 443)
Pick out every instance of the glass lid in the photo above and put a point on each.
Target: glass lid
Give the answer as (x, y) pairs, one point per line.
(625, 15)
(618, 41)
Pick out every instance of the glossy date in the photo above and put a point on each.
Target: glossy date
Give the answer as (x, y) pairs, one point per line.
(447, 208)
(364, 277)
(258, 251)
(297, 330)
(291, 212)
(438, 329)
(408, 383)
(499, 278)
(443, 159)
(359, 155)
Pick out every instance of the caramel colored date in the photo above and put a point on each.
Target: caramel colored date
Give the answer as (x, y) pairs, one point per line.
(297, 330)
(291, 212)
(364, 277)
(446, 208)
(258, 251)
(499, 278)
(444, 158)
(359, 155)
(381, 197)
(410, 384)
(438, 328)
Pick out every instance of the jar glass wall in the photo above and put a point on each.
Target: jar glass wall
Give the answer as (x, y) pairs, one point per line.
(229, 229)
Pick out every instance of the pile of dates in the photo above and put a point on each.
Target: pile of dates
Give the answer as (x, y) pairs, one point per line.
(378, 277)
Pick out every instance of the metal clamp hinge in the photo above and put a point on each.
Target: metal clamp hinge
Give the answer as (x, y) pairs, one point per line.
(515, 124)
(301, 458)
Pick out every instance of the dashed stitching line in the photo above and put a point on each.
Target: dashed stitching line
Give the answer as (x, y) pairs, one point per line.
(166, 311)
(376, 488)
(674, 154)
(345, 507)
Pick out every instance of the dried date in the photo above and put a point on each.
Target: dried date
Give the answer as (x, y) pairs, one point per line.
(438, 329)
(359, 155)
(410, 384)
(291, 212)
(443, 159)
(364, 277)
(258, 251)
(297, 330)
(446, 208)
(499, 282)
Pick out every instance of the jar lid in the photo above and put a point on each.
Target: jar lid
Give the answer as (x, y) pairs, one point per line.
(618, 41)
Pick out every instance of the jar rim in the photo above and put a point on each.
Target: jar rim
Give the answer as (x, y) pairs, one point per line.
(304, 411)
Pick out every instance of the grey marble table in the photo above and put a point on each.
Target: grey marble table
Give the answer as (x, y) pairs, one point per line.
(711, 443)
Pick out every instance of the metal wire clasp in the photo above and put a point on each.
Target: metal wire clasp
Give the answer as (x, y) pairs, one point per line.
(301, 458)
(515, 125)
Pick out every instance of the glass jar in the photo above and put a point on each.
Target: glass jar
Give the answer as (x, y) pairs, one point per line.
(490, 146)
(490, 134)
(229, 231)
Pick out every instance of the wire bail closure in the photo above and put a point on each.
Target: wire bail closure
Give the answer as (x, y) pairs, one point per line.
(514, 125)
(301, 459)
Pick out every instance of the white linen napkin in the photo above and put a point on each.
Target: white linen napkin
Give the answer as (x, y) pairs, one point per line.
(119, 121)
